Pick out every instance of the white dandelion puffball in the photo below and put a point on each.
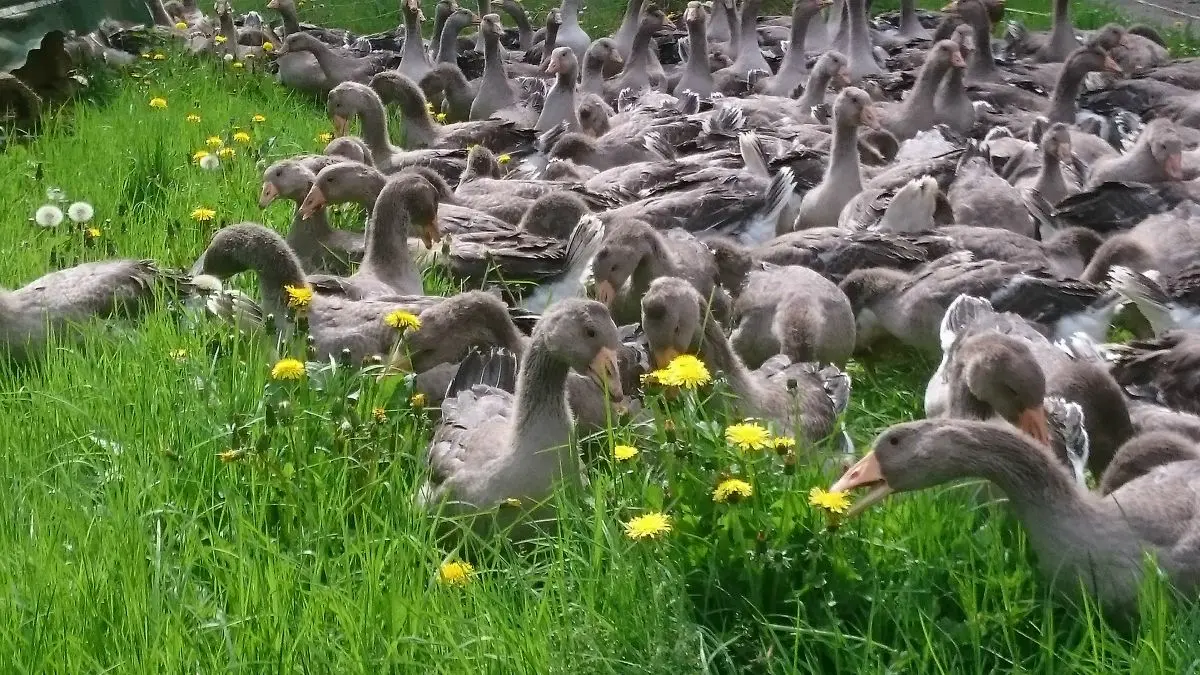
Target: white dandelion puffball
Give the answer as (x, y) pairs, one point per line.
(80, 212)
(210, 163)
(228, 57)
(48, 216)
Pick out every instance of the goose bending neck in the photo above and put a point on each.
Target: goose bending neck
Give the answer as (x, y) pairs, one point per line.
(715, 348)
(448, 42)
(276, 266)
(541, 406)
(326, 59)
(374, 127)
(1066, 90)
(386, 253)
(814, 90)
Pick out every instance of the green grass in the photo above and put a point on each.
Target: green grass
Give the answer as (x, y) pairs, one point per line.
(127, 544)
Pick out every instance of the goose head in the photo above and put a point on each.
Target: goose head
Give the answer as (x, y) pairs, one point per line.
(581, 334)
(452, 327)
(412, 9)
(349, 148)
(671, 318)
(1056, 142)
(834, 67)
(413, 195)
(490, 26)
(593, 115)
(853, 107)
(915, 204)
(1165, 147)
(576, 147)
(603, 57)
(625, 246)
(1001, 373)
(345, 101)
(563, 64)
(1091, 58)
(945, 55)
(553, 215)
(301, 42)
(285, 178)
(481, 163)
(337, 184)
(1111, 36)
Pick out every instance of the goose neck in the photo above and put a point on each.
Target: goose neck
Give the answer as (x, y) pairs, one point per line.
(413, 46)
(1066, 90)
(793, 60)
(981, 63)
(541, 402)
(926, 87)
(524, 29)
(814, 91)
(448, 44)
(374, 127)
(386, 251)
(698, 51)
(844, 161)
(718, 354)
(291, 21)
(570, 13)
(325, 57)
(493, 62)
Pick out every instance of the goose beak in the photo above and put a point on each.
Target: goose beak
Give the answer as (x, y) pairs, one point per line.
(339, 125)
(273, 4)
(869, 118)
(1112, 66)
(420, 16)
(1033, 422)
(952, 7)
(553, 67)
(664, 356)
(606, 292)
(822, 4)
(603, 371)
(1064, 152)
(866, 473)
(268, 194)
(1173, 166)
(315, 199)
(430, 234)
(956, 60)
(843, 78)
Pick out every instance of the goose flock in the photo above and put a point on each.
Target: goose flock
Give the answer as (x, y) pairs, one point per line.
(772, 194)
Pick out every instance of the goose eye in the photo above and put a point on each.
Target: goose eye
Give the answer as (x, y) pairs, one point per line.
(893, 441)
(590, 332)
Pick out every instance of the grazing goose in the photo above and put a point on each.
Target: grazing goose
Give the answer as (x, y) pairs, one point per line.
(998, 365)
(335, 323)
(54, 305)
(319, 247)
(331, 67)
(1083, 541)
(791, 395)
(791, 311)
(493, 445)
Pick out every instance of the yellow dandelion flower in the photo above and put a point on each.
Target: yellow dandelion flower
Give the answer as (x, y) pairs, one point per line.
(202, 214)
(440, 117)
(199, 155)
(181, 26)
(287, 369)
(783, 444)
(648, 526)
(160, 57)
(747, 436)
(685, 371)
(158, 102)
(179, 354)
(401, 320)
(457, 573)
(232, 455)
(298, 297)
(93, 233)
(324, 137)
(836, 502)
(504, 159)
(258, 119)
(226, 153)
(146, 56)
(379, 414)
(622, 453)
(214, 142)
(193, 118)
(417, 400)
(732, 490)
(268, 47)
(241, 137)
(429, 106)
(220, 39)
(237, 64)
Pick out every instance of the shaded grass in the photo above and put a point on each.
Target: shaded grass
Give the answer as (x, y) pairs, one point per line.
(128, 543)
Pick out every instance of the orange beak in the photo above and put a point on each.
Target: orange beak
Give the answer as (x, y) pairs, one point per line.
(1033, 422)
(430, 234)
(956, 60)
(314, 200)
(273, 4)
(664, 356)
(268, 194)
(604, 372)
(1173, 166)
(553, 66)
(1112, 66)
(867, 472)
(339, 125)
(870, 118)
(606, 293)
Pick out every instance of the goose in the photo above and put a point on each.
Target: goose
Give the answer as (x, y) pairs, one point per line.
(494, 445)
(823, 204)
(792, 311)
(1049, 183)
(641, 70)
(570, 34)
(387, 268)
(951, 104)
(335, 323)
(981, 67)
(917, 112)
(1164, 243)
(459, 18)
(980, 197)
(908, 210)
(319, 247)
(1083, 541)
(495, 91)
(1045, 48)
(633, 254)
(1143, 454)
(801, 398)
(349, 148)
(1167, 303)
(352, 99)
(997, 365)
(53, 306)
(335, 37)
(329, 69)
(601, 61)
(749, 56)
(793, 71)
(516, 11)
(696, 74)
(1156, 157)
(414, 62)
(445, 83)
(560, 108)
(420, 130)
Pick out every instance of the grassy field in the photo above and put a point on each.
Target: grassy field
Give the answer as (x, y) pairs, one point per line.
(169, 509)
